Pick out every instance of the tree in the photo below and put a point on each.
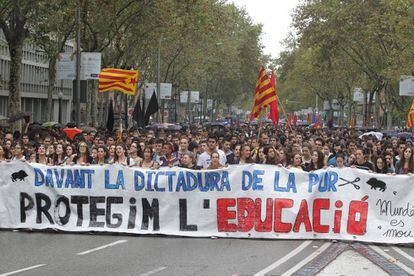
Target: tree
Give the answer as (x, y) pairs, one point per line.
(14, 18)
(51, 34)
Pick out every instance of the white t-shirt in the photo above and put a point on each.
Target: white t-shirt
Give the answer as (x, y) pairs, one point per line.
(204, 159)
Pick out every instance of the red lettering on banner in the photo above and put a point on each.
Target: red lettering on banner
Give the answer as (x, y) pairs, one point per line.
(266, 225)
(318, 205)
(338, 217)
(223, 215)
(280, 204)
(357, 225)
(245, 214)
(303, 217)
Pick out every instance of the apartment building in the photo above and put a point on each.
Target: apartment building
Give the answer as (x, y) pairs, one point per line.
(34, 84)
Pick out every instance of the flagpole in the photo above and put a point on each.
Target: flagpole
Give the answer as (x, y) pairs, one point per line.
(126, 111)
(283, 110)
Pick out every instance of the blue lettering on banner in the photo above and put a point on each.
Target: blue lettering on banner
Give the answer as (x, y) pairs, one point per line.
(59, 178)
(325, 181)
(290, 185)
(191, 181)
(139, 180)
(39, 177)
(69, 179)
(120, 183)
(158, 189)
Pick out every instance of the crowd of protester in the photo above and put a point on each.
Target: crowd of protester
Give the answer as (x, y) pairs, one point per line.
(198, 147)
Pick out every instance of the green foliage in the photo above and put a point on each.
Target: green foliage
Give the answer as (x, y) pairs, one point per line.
(341, 45)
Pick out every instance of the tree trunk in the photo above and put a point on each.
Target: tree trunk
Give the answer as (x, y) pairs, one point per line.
(50, 88)
(16, 52)
(93, 92)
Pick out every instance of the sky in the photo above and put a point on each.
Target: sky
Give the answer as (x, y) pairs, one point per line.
(275, 16)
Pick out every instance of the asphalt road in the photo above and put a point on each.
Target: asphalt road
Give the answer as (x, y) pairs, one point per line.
(40, 253)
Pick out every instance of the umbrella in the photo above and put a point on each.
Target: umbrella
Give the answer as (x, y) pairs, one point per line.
(18, 116)
(165, 126)
(406, 135)
(88, 129)
(72, 132)
(49, 124)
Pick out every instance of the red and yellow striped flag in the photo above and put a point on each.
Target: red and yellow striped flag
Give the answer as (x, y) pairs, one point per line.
(265, 94)
(125, 81)
(410, 119)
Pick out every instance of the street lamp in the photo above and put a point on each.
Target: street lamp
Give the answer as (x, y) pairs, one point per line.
(60, 96)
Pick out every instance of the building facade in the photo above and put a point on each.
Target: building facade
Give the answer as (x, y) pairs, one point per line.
(34, 84)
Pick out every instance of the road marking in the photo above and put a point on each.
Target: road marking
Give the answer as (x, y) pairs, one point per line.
(403, 253)
(284, 259)
(307, 259)
(23, 269)
(100, 247)
(392, 259)
(161, 268)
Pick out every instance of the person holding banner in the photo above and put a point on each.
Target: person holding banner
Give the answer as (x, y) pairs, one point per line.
(187, 161)
(318, 161)
(215, 162)
(41, 157)
(18, 152)
(101, 156)
(82, 157)
(245, 155)
(2, 154)
(121, 158)
(148, 160)
(406, 164)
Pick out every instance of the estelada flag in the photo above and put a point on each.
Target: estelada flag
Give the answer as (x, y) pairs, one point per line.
(410, 119)
(125, 81)
(264, 95)
(295, 119)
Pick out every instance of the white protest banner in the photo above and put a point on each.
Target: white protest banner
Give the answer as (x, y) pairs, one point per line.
(244, 201)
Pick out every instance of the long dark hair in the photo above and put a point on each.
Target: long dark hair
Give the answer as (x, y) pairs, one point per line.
(321, 160)
(384, 162)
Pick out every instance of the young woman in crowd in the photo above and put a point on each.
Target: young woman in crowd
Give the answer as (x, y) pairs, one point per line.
(59, 157)
(318, 161)
(111, 153)
(270, 154)
(101, 156)
(2, 154)
(121, 157)
(170, 158)
(41, 157)
(135, 152)
(215, 162)
(245, 155)
(406, 164)
(297, 162)
(70, 151)
(188, 161)
(147, 161)
(381, 165)
(340, 160)
(284, 158)
(18, 152)
(261, 157)
(82, 157)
